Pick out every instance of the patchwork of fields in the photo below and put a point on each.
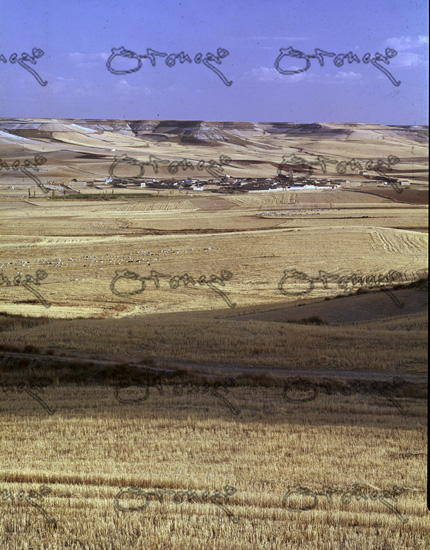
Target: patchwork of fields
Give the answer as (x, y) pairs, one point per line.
(100, 297)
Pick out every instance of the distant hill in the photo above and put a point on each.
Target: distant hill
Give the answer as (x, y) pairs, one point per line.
(85, 148)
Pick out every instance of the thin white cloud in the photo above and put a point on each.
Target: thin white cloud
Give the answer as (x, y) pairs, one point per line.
(270, 74)
(408, 59)
(122, 87)
(60, 84)
(407, 42)
(289, 38)
(88, 60)
(86, 88)
(300, 76)
(348, 76)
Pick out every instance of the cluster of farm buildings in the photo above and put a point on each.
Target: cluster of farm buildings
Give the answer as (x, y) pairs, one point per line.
(230, 184)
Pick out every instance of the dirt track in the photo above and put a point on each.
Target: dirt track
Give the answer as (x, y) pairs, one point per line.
(213, 369)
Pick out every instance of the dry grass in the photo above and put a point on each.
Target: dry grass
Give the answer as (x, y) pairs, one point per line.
(393, 345)
(80, 246)
(93, 445)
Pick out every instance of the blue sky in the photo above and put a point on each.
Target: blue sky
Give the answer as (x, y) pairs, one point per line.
(77, 38)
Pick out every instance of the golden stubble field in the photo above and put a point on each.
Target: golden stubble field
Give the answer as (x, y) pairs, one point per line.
(93, 445)
(81, 456)
(82, 245)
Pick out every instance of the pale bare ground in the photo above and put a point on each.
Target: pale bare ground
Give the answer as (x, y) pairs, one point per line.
(93, 445)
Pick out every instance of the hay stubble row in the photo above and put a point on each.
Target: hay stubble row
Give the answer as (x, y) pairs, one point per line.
(93, 445)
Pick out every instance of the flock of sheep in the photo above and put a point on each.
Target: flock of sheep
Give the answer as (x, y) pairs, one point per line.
(140, 257)
(296, 211)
